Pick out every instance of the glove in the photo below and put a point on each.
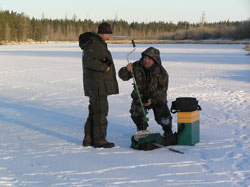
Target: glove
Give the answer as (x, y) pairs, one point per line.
(107, 61)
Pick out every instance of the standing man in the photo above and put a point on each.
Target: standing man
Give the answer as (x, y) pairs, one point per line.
(152, 81)
(99, 81)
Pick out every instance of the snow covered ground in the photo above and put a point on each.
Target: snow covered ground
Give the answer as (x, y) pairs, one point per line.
(43, 109)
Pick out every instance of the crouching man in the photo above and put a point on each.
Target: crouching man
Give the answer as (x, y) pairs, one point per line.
(152, 80)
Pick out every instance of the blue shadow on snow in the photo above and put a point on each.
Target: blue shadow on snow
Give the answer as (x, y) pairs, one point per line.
(44, 114)
(238, 75)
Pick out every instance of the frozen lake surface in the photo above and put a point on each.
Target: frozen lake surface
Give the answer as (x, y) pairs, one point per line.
(43, 109)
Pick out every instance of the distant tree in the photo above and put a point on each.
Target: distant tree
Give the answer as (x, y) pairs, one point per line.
(203, 18)
(242, 31)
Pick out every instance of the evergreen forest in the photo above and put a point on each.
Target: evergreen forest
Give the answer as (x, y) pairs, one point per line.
(18, 27)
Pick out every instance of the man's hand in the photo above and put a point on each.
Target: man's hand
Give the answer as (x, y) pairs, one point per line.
(129, 66)
(107, 62)
(148, 103)
(108, 69)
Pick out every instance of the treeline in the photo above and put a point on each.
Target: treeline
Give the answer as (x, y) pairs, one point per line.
(220, 30)
(18, 27)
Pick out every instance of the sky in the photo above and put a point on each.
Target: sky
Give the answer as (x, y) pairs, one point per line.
(133, 10)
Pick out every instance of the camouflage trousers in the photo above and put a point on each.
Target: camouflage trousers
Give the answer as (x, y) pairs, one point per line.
(96, 124)
(161, 114)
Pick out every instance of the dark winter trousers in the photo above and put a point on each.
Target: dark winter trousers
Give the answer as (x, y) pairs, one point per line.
(161, 113)
(96, 124)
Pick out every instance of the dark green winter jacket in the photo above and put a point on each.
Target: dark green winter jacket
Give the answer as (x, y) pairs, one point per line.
(152, 83)
(95, 61)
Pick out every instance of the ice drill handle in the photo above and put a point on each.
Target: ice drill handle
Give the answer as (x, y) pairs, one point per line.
(133, 43)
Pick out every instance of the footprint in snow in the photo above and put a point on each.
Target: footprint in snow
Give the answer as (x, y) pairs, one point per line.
(229, 154)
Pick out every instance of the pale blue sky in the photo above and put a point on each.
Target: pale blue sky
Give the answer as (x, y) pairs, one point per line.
(133, 10)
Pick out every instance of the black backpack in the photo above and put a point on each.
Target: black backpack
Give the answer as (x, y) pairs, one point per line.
(185, 104)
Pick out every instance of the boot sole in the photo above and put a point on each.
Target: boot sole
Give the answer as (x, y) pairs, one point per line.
(104, 146)
(86, 144)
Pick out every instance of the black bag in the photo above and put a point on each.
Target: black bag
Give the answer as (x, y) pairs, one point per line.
(146, 143)
(185, 104)
(151, 141)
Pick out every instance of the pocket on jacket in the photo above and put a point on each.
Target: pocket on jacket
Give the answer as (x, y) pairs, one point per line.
(108, 76)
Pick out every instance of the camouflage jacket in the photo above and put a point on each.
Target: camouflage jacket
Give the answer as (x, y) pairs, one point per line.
(152, 83)
(95, 61)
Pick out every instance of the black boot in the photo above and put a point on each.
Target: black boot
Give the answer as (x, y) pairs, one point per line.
(167, 131)
(142, 126)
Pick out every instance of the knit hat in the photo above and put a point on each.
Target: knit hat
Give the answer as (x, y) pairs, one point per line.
(104, 28)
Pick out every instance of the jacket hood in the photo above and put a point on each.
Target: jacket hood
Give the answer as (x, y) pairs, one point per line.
(86, 37)
(152, 53)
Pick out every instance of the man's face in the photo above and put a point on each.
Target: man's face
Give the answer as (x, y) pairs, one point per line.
(148, 62)
(105, 36)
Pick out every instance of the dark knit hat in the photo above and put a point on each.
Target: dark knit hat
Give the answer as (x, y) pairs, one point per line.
(104, 28)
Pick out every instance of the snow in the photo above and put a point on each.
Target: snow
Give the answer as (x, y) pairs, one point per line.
(43, 109)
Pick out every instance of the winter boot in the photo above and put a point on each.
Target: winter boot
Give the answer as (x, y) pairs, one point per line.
(87, 141)
(142, 126)
(103, 143)
(167, 131)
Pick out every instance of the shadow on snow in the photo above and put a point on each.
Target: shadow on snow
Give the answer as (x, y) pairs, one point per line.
(48, 116)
